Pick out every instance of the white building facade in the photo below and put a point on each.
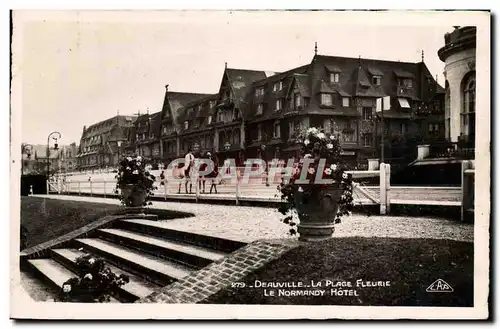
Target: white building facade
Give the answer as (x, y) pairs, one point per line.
(459, 56)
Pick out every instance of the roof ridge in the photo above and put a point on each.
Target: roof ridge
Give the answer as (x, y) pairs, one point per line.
(367, 59)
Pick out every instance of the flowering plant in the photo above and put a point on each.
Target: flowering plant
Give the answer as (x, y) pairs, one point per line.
(320, 167)
(132, 171)
(94, 282)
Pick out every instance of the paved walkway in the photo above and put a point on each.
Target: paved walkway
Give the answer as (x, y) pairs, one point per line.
(252, 223)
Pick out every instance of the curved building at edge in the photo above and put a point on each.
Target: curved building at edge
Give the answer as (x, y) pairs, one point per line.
(459, 56)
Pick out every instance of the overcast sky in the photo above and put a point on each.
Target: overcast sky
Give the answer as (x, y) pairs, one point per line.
(79, 68)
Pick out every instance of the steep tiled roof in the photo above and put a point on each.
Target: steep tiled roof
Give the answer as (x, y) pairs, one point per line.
(270, 96)
(241, 82)
(178, 100)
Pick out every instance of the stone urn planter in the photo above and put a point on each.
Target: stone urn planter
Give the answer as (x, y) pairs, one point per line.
(317, 212)
(133, 196)
(319, 191)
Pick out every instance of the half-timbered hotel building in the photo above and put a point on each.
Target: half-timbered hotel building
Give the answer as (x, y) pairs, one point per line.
(255, 113)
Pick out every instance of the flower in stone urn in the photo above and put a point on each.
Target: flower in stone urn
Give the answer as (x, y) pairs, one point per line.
(134, 181)
(319, 190)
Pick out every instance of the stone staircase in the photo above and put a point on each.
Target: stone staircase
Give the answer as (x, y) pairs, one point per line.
(151, 254)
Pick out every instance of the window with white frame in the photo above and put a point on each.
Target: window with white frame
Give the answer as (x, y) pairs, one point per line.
(376, 80)
(209, 120)
(276, 130)
(186, 125)
(334, 77)
(279, 105)
(259, 91)
(280, 85)
(326, 99)
(345, 101)
(275, 86)
(297, 100)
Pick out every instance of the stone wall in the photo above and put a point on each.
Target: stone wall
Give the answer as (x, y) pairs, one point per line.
(221, 274)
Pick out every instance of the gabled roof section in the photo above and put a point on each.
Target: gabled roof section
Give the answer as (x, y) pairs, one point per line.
(403, 74)
(333, 68)
(374, 71)
(241, 82)
(301, 81)
(356, 75)
(364, 87)
(174, 101)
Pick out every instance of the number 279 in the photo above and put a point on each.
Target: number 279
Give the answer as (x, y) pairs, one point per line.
(238, 285)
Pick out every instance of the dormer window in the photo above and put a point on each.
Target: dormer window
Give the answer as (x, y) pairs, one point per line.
(345, 101)
(260, 109)
(406, 83)
(212, 104)
(334, 77)
(376, 80)
(326, 99)
(186, 125)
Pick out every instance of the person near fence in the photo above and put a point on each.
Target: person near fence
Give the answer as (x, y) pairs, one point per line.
(203, 167)
(213, 174)
(188, 168)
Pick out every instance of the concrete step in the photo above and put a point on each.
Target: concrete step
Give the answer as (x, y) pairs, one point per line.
(160, 229)
(53, 273)
(136, 288)
(185, 254)
(154, 269)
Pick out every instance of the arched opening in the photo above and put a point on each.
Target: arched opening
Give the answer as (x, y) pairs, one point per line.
(468, 108)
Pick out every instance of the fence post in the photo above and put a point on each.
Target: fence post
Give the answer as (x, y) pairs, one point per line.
(197, 187)
(79, 189)
(166, 187)
(467, 188)
(105, 190)
(388, 188)
(237, 189)
(48, 186)
(90, 187)
(383, 189)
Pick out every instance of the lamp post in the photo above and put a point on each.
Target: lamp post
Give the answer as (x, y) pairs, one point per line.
(54, 133)
(119, 144)
(28, 149)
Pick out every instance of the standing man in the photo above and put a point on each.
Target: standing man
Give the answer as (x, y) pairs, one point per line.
(187, 169)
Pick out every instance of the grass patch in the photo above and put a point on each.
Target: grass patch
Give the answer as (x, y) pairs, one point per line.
(411, 265)
(46, 219)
